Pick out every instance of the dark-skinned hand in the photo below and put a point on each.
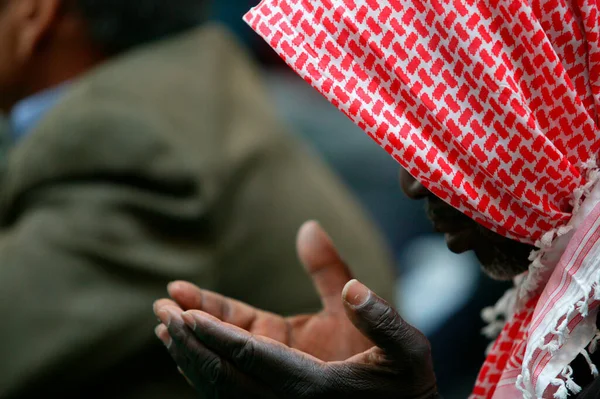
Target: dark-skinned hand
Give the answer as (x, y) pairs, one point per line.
(357, 347)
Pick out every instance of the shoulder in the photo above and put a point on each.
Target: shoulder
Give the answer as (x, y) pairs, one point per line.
(86, 138)
(92, 130)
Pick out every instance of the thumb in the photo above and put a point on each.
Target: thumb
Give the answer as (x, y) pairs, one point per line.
(323, 263)
(382, 324)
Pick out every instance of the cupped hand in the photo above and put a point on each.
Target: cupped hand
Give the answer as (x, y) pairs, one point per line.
(357, 347)
(327, 335)
(224, 361)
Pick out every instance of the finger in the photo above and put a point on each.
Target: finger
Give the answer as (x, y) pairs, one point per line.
(204, 370)
(259, 322)
(382, 324)
(163, 334)
(287, 371)
(189, 297)
(190, 383)
(163, 303)
(323, 263)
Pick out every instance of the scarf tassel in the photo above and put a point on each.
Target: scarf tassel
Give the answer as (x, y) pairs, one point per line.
(594, 344)
(588, 359)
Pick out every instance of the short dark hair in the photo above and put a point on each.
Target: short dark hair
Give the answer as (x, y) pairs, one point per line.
(118, 25)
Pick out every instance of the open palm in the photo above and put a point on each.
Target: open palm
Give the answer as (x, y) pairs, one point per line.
(357, 347)
(328, 335)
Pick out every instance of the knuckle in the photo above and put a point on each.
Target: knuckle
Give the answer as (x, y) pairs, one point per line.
(389, 322)
(213, 370)
(422, 346)
(416, 342)
(245, 353)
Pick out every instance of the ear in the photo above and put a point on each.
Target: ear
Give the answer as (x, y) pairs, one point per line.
(35, 19)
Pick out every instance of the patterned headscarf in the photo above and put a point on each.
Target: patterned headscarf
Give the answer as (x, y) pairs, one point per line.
(494, 107)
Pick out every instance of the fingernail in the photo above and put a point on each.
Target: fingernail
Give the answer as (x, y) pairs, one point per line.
(315, 241)
(189, 319)
(172, 285)
(166, 340)
(164, 317)
(356, 294)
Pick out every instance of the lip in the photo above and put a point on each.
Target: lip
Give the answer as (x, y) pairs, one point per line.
(458, 229)
(448, 226)
(458, 236)
(445, 218)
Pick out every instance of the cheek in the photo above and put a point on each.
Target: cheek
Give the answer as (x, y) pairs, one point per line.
(9, 63)
(5, 61)
(9, 34)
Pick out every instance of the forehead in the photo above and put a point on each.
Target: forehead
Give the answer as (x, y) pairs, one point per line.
(7, 8)
(7, 18)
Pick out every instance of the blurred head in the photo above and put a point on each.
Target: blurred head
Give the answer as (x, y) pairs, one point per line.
(46, 42)
(500, 257)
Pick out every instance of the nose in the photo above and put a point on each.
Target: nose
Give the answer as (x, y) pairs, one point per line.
(411, 187)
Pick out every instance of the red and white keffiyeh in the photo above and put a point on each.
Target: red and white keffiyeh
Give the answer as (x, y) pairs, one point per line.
(494, 106)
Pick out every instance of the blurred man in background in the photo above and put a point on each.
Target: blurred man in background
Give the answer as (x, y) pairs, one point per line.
(142, 150)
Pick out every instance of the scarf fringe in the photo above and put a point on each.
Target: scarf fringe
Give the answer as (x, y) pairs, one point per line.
(537, 268)
(571, 385)
(592, 366)
(594, 344)
(565, 384)
(497, 315)
(522, 381)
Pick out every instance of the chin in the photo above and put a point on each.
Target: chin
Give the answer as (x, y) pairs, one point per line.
(501, 258)
(502, 266)
(499, 273)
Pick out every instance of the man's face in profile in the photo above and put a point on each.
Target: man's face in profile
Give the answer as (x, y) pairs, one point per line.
(500, 257)
(32, 34)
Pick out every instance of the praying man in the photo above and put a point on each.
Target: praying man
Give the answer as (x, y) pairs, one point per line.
(492, 109)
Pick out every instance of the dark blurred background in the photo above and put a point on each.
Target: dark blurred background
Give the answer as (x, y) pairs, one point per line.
(439, 292)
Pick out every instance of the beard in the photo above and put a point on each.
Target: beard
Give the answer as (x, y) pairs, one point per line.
(501, 258)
